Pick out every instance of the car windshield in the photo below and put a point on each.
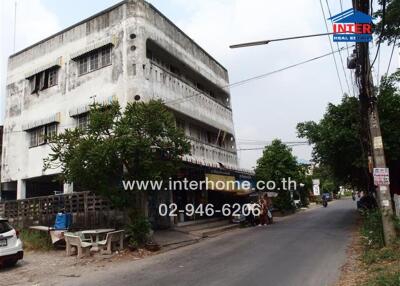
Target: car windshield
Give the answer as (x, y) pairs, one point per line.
(5, 227)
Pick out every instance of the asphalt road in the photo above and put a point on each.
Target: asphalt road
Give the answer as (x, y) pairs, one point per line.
(306, 249)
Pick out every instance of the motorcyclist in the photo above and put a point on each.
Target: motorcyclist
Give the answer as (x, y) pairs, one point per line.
(324, 200)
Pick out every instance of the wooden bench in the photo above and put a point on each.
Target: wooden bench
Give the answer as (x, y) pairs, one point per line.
(114, 237)
(82, 247)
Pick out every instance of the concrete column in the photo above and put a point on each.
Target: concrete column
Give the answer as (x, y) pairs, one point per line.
(21, 189)
(68, 188)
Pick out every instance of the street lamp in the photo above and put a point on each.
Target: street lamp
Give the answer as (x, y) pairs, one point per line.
(266, 42)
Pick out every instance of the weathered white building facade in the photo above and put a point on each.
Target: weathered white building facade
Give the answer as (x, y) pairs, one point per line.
(127, 52)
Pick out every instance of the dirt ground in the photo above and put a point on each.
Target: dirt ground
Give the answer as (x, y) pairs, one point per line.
(353, 271)
(37, 265)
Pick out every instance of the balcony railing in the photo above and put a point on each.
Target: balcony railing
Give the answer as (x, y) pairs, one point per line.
(184, 98)
(213, 156)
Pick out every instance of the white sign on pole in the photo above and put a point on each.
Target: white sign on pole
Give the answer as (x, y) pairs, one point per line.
(316, 190)
(381, 176)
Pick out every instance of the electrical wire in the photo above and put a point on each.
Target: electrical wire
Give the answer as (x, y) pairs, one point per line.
(348, 56)
(391, 56)
(340, 54)
(379, 69)
(242, 82)
(380, 36)
(262, 148)
(330, 43)
(235, 84)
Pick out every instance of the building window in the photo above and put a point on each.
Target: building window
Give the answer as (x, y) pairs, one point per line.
(51, 131)
(37, 136)
(82, 121)
(43, 80)
(83, 66)
(94, 60)
(106, 57)
(53, 77)
(42, 134)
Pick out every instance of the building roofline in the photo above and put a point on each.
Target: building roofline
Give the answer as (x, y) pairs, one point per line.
(108, 10)
(69, 28)
(172, 23)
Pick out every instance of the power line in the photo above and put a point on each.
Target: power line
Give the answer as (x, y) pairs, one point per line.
(330, 43)
(380, 36)
(348, 55)
(235, 84)
(340, 54)
(379, 68)
(242, 82)
(391, 55)
(262, 148)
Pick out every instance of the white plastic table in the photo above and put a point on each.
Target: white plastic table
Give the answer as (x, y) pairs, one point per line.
(95, 235)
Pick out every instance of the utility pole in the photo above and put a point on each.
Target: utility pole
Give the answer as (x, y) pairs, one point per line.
(369, 106)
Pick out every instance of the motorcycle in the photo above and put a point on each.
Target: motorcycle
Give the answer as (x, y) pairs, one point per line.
(325, 203)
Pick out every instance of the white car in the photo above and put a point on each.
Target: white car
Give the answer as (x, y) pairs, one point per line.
(10, 245)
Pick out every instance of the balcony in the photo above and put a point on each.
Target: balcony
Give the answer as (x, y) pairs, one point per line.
(212, 156)
(184, 98)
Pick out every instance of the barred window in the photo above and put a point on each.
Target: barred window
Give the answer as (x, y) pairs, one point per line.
(37, 136)
(94, 60)
(83, 66)
(44, 80)
(83, 121)
(42, 134)
(51, 131)
(106, 57)
(53, 77)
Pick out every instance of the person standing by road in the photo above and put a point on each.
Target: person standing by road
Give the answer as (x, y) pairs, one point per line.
(264, 209)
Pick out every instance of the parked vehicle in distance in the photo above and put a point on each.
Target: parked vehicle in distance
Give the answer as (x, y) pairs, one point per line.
(11, 249)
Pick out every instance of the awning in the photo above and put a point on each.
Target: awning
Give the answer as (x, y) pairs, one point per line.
(55, 63)
(92, 47)
(37, 123)
(81, 109)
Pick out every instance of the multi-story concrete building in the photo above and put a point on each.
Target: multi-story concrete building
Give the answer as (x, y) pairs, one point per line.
(127, 52)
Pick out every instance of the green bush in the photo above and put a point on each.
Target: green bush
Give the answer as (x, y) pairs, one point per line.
(35, 240)
(138, 230)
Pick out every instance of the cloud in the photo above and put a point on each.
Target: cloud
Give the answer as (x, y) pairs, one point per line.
(34, 22)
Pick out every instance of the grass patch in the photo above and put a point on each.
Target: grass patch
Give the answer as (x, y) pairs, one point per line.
(382, 263)
(372, 230)
(371, 256)
(35, 240)
(385, 279)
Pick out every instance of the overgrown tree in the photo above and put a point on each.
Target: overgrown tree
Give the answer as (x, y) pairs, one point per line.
(277, 163)
(140, 142)
(337, 142)
(390, 23)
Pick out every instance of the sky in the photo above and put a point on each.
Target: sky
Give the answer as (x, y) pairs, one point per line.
(263, 110)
